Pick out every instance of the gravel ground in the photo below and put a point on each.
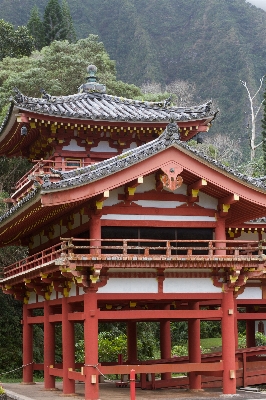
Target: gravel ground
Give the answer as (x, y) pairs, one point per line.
(108, 391)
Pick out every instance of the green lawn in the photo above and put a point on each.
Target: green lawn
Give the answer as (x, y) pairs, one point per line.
(211, 343)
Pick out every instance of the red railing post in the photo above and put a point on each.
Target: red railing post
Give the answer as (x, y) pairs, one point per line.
(124, 247)
(168, 248)
(132, 385)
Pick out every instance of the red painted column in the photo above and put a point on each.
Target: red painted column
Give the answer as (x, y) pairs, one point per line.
(236, 325)
(49, 347)
(228, 343)
(91, 345)
(132, 351)
(68, 345)
(95, 232)
(27, 347)
(250, 330)
(194, 351)
(220, 234)
(165, 342)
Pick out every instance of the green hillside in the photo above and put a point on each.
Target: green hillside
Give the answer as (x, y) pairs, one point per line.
(212, 43)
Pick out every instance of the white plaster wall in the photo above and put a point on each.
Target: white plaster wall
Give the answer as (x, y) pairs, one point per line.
(57, 230)
(133, 145)
(148, 184)
(85, 218)
(63, 229)
(32, 298)
(158, 204)
(103, 146)
(248, 236)
(44, 239)
(72, 291)
(73, 146)
(53, 295)
(207, 201)
(132, 285)
(36, 241)
(189, 285)
(113, 196)
(251, 293)
(76, 220)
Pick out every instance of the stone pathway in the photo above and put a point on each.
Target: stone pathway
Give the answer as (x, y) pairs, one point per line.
(108, 391)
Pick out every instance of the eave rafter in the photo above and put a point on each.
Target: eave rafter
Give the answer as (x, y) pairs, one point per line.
(225, 203)
(193, 190)
(131, 187)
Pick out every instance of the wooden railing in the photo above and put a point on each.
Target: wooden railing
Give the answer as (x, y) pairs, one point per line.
(168, 248)
(43, 167)
(31, 262)
(140, 249)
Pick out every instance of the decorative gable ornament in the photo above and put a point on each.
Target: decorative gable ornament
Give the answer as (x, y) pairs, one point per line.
(171, 179)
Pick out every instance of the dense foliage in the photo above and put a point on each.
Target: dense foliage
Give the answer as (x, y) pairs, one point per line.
(264, 133)
(14, 42)
(60, 69)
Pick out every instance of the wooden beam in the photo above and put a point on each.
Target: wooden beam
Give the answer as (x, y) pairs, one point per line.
(139, 315)
(231, 199)
(130, 188)
(193, 190)
(197, 185)
(160, 368)
(225, 203)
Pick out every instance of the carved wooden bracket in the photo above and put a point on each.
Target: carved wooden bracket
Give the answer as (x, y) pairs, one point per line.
(171, 179)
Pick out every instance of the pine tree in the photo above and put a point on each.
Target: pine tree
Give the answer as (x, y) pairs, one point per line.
(53, 22)
(264, 133)
(69, 29)
(35, 27)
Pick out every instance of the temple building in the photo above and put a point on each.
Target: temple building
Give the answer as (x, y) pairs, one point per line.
(125, 222)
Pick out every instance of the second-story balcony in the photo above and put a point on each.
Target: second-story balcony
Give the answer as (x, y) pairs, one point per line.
(76, 257)
(39, 170)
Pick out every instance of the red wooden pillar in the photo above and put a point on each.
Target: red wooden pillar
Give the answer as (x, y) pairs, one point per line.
(27, 347)
(250, 330)
(91, 345)
(220, 234)
(165, 342)
(132, 351)
(236, 325)
(49, 347)
(194, 351)
(95, 232)
(68, 345)
(228, 343)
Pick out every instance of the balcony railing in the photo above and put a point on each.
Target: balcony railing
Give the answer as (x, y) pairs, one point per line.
(141, 249)
(41, 168)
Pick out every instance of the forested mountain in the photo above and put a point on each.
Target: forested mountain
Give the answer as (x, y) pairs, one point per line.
(211, 43)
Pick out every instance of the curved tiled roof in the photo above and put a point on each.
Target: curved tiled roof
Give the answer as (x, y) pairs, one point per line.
(105, 168)
(101, 106)
(85, 175)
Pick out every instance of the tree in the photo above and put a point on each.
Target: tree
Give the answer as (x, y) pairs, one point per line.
(221, 148)
(70, 33)
(60, 69)
(53, 22)
(264, 133)
(14, 43)
(183, 91)
(253, 115)
(35, 27)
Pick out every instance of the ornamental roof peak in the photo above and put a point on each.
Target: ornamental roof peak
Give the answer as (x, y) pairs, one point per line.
(92, 84)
